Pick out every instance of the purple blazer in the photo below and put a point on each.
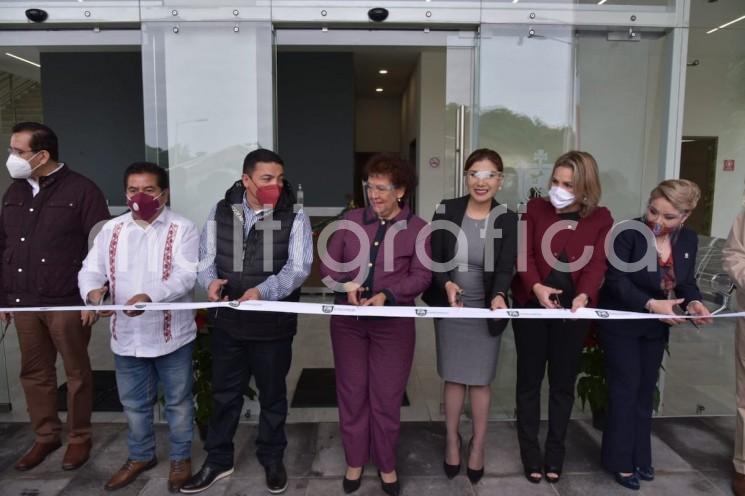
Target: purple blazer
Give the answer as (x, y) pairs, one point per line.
(391, 262)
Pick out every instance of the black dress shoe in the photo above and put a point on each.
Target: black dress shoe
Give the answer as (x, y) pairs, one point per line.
(276, 478)
(628, 481)
(390, 488)
(474, 475)
(204, 479)
(645, 473)
(548, 469)
(452, 470)
(351, 485)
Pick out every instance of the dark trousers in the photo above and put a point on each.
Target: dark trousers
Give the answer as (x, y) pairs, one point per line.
(558, 343)
(268, 362)
(632, 364)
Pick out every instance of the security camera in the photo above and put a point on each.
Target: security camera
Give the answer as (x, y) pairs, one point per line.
(377, 14)
(36, 15)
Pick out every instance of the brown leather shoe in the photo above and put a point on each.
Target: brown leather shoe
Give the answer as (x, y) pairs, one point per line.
(180, 473)
(738, 484)
(36, 455)
(129, 472)
(76, 455)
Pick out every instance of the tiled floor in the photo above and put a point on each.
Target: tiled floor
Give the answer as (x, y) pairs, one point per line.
(698, 378)
(691, 456)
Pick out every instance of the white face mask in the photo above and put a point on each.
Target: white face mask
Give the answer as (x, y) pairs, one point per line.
(19, 167)
(560, 198)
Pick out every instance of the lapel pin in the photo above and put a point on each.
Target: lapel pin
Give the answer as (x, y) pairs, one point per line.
(685, 255)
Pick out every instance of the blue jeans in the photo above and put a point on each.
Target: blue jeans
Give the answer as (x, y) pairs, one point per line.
(137, 380)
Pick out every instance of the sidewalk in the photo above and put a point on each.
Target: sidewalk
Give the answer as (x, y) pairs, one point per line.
(691, 456)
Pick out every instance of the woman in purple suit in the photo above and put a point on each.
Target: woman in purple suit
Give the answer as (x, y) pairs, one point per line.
(384, 244)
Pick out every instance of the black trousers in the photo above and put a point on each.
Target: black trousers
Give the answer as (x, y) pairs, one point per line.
(632, 364)
(558, 343)
(268, 362)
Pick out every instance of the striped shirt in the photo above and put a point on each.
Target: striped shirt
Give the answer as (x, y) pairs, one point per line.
(277, 286)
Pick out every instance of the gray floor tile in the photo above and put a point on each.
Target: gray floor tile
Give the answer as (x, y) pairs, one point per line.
(703, 448)
(598, 483)
(94, 487)
(35, 487)
(512, 486)
(722, 480)
(329, 459)
(690, 484)
(17, 438)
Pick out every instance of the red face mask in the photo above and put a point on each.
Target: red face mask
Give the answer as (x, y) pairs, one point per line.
(268, 195)
(144, 206)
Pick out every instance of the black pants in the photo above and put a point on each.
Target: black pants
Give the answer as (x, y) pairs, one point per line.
(632, 364)
(268, 362)
(557, 342)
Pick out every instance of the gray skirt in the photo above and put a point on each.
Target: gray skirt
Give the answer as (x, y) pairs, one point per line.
(466, 352)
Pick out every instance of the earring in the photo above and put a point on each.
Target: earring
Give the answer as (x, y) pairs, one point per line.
(399, 199)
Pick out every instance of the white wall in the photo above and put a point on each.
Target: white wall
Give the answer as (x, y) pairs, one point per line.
(715, 106)
(378, 124)
(430, 141)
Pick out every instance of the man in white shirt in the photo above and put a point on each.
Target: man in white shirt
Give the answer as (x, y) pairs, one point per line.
(148, 255)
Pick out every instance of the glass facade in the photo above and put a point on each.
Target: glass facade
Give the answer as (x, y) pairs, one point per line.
(645, 86)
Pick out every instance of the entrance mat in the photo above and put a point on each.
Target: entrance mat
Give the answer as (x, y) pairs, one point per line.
(105, 394)
(316, 388)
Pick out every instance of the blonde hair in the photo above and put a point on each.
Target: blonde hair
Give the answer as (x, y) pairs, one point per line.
(585, 178)
(682, 194)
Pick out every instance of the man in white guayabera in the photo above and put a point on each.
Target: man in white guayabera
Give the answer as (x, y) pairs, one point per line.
(148, 254)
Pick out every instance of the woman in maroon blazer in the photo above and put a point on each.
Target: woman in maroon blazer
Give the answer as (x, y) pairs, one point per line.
(386, 249)
(567, 226)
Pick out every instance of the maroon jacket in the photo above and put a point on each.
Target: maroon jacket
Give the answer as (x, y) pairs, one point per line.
(44, 238)
(590, 231)
(405, 279)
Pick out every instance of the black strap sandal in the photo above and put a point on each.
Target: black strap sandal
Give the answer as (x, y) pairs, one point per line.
(533, 474)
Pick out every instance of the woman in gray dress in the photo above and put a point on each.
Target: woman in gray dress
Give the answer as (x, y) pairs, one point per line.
(474, 240)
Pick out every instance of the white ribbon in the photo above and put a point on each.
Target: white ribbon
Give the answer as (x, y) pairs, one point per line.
(381, 311)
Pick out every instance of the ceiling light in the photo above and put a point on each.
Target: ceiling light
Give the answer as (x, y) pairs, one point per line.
(22, 59)
(726, 24)
(379, 90)
(601, 2)
(515, 1)
(383, 71)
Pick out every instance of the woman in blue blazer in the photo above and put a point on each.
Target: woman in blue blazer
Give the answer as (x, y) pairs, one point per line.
(665, 284)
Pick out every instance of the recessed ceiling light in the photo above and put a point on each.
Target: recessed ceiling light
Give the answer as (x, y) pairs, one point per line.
(383, 71)
(22, 59)
(379, 90)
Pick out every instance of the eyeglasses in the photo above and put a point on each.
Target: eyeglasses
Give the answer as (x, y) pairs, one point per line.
(482, 175)
(16, 151)
(380, 188)
(671, 217)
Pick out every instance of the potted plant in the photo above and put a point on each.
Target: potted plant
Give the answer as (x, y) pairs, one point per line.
(592, 387)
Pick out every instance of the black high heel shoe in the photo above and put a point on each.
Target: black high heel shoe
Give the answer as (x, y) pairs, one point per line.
(529, 471)
(452, 470)
(390, 488)
(548, 469)
(473, 475)
(351, 485)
